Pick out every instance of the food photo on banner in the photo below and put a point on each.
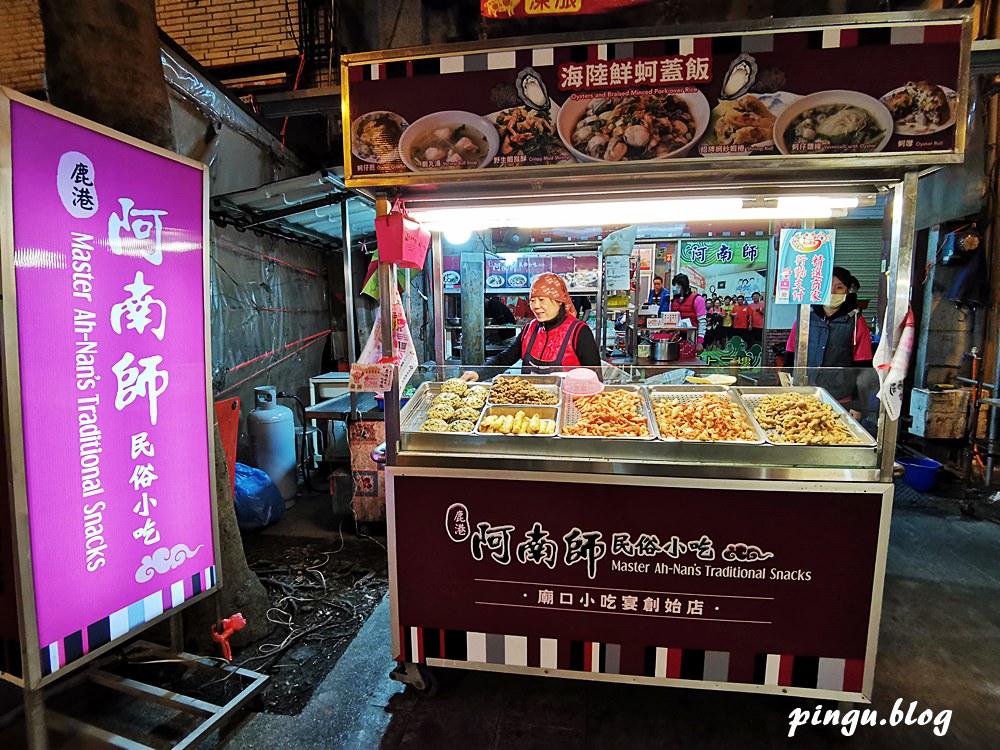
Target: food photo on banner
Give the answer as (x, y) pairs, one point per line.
(838, 90)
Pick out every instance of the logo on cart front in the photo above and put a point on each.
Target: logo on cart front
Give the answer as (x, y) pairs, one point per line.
(456, 522)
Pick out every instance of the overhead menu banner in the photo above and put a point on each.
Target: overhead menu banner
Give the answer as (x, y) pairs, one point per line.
(104, 297)
(529, 8)
(888, 89)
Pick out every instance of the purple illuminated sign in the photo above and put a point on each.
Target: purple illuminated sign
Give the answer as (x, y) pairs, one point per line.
(109, 269)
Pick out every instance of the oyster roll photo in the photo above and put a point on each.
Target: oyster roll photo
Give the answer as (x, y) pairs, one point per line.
(921, 108)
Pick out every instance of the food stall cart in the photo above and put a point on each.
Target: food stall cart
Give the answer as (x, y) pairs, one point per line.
(596, 539)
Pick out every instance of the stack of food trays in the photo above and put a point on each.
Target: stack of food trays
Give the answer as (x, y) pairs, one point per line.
(705, 414)
(452, 406)
(803, 416)
(618, 412)
(521, 406)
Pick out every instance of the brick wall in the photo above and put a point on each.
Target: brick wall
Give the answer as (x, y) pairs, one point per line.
(214, 32)
(772, 337)
(229, 32)
(22, 46)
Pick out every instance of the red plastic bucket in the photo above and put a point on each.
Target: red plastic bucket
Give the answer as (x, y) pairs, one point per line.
(401, 240)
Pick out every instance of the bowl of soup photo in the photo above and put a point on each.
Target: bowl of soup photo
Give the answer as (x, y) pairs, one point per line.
(833, 122)
(449, 140)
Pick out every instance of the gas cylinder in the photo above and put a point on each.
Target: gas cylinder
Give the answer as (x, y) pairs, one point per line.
(272, 436)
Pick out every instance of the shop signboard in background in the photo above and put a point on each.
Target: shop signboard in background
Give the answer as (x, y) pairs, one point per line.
(805, 266)
(504, 9)
(885, 89)
(109, 377)
(734, 251)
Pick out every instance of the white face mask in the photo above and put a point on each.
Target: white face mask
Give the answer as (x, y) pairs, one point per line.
(835, 300)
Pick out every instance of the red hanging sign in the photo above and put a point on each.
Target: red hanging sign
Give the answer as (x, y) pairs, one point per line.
(528, 8)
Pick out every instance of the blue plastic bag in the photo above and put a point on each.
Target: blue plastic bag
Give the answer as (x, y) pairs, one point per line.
(258, 501)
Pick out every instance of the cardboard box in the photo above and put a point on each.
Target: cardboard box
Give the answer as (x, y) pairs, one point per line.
(939, 415)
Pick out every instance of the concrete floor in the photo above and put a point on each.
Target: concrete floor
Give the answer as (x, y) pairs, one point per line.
(939, 646)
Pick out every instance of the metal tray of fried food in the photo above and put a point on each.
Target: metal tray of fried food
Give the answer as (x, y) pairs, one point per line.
(553, 389)
(689, 394)
(570, 415)
(753, 396)
(543, 412)
(530, 377)
(414, 413)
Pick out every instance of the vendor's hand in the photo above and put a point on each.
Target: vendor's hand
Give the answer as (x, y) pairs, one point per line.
(699, 348)
(469, 377)
(855, 413)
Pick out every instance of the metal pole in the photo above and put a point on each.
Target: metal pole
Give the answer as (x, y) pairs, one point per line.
(602, 338)
(901, 241)
(34, 717)
(177, 633)
(437, 294)
(352, 329)
(927, 312)
(802, 338)
(386, 287)
(991, 435)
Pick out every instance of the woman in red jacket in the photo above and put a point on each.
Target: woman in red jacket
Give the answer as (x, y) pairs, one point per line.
(555, 340)
(691, 306)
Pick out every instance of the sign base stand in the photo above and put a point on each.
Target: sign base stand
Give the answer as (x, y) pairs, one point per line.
(200, 717)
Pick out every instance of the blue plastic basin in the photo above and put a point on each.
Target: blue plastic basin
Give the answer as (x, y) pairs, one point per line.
(920, 472)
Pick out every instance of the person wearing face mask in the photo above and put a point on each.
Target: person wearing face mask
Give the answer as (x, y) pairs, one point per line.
(555, 340)
(838, 338)
(689, 304)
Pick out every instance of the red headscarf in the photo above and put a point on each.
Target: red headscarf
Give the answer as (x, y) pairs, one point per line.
(552, 286)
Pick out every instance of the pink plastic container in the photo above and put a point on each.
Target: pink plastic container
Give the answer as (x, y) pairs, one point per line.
(581, 382)
(401, 240)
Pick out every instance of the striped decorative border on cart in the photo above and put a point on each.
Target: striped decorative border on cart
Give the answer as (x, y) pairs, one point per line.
(57, 655)
(540, 57)
(785, 670)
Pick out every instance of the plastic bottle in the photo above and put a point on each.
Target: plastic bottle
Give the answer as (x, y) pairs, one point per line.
(272, 435)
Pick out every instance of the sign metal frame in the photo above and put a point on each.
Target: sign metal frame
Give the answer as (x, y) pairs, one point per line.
(32, 678)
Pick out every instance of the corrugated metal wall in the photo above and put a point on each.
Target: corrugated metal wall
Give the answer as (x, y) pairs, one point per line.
(858, 249)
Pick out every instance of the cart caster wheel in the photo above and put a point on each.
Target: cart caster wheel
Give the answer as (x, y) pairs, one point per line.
(430, 680)
(418, 676)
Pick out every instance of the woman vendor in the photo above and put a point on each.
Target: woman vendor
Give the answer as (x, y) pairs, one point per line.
(555, 340)
(690, 305)
(838, 338)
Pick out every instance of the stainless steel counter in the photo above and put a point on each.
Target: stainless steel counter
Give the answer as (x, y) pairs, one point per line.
(339, 408)
(633, 457)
